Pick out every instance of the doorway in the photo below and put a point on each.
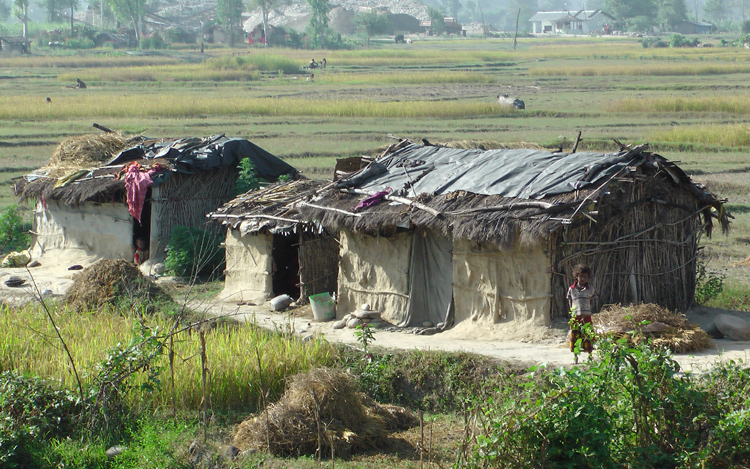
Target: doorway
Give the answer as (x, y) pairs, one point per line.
(142, 230)
(286, 265)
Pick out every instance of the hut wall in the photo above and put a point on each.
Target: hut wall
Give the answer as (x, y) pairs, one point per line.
(249, 267)
(184, 200)
(374, 270)
(642, 250)
(494, 285)
(101, 230)
(319, 263)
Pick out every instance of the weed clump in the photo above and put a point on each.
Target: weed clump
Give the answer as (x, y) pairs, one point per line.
(112, 282)
(322, 407)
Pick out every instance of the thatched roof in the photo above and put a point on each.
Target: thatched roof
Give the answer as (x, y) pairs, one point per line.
(269, 208)
(89, 167)
(496, 195)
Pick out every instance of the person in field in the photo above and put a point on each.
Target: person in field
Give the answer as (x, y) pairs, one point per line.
(580, 296)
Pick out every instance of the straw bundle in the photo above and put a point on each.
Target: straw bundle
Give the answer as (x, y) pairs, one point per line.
(109, 281)
(628, 321)
(342, 417)
(86, 151)
(743, 263)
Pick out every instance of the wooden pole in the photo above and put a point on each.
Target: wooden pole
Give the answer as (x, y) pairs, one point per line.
(575, 145)
(515, 38)
(481, 14)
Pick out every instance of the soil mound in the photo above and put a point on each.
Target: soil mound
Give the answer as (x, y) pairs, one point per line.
(664, 328)
(111, 281)
(322, 404)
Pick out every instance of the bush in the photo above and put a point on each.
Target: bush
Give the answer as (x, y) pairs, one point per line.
(193, 252)
(708, 285)
(248, 179)
(152, 43)
(745, 27)
(631, 407)
(678, 40)
(13, 231)
(79, 43)
(32, 411)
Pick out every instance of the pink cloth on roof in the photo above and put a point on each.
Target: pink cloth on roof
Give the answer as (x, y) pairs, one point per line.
(136, 184)
(371, 200)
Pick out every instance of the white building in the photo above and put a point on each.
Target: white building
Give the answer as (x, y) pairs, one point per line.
(570, 22)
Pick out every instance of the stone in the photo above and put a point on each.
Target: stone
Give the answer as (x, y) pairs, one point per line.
(733, 327)
(440, 325)
(115, 451)
(427, 324)
(347, 317)
(307, 338)
(714, 331)
(339, 324)
(231, 452)
(353, 323)
(281, 302)
(46, 292)
(15, 281)
(159, 268)
(33, 263)
(655, 327)
(362, 314)
(365, 307)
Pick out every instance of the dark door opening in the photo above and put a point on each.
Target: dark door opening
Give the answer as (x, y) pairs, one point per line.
(286, 265)
(142, 230)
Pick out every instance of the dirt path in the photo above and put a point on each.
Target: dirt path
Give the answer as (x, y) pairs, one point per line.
(552, 349)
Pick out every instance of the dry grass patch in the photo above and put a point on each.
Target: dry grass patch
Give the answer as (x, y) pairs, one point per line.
(653, 323)
(727, 104)
(322, 408)
(641, 69)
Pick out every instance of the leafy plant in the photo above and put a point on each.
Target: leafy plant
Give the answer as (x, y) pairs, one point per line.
(193, 252)
(365, 336)
(248, 179)
(708, 285)
(13, 236)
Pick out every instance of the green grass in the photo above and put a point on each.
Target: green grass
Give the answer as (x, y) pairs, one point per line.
(735, 296)
(733, 135)
(737, 104)
(28, 345)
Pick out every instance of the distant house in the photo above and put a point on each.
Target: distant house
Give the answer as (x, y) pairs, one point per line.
(452, 26)
(692, 27)
(580, 22)
(10, 44)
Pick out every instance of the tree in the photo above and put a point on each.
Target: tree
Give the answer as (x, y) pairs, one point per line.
(671, 12)
(73, 4)
(626, 10)
(21, 11)
(716, 10)
(4, 10)
(52, 9)
(265, 7)
(471, 6)
(228, 12)
(372, 23)
(452, 6)
(437, 20)
(129, 11)
(319, 21)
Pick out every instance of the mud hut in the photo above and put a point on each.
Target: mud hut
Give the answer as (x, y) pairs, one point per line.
(270, 251)
(449, 235)
(99, 193)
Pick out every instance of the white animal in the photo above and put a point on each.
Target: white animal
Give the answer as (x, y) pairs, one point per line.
(408, 41)
(310, 78)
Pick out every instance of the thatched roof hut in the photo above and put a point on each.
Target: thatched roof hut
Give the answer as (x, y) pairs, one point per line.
(492, 236)
(270, 250)
(85, 211)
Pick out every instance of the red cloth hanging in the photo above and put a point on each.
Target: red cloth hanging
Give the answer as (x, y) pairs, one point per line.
(136, 185)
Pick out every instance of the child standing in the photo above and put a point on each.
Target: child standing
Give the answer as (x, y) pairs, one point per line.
(580, 296)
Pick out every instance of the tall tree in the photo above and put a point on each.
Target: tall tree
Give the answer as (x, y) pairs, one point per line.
(670, 12)
(4, 9)
(716, 10)
(452, 6)
(52, 9)
(371, 23)
(319, 21)
(229, 13)
(437, 20)
(265, 7)
(129, 11)
(626, 10)
(73, 4)
(21, 11)
(471, 6)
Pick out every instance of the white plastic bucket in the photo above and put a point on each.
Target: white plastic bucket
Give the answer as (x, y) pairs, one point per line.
(323, 307)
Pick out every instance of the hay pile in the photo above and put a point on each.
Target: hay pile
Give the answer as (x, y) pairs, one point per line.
(665, 329)
(111, 281)
(348, 419)
(86, 151)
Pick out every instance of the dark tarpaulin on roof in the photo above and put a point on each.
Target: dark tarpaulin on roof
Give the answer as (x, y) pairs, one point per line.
(523, 174)
(193, 155)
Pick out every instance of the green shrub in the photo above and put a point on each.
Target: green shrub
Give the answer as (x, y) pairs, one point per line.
(708, 285)
(31, 412)
(248, 179)
(630, 407)
(745, 27)
(152, 43)
(13, 231)
(193, 252)
(79, 43)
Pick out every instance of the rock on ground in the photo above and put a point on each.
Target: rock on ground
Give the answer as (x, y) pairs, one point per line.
(733, 327)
